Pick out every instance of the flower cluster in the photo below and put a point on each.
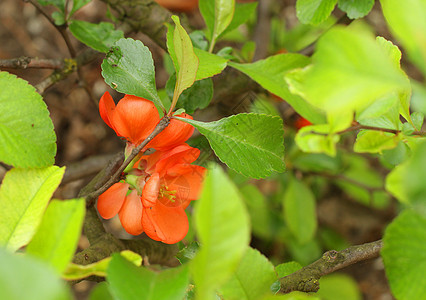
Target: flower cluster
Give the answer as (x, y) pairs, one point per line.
(155, 193)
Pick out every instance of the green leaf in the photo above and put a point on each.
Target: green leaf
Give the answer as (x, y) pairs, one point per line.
(188, 253)
(128, 68)
(263, 106)
(397, 155)
(198, 38)
(252, 279)
(417, 118)
(210, 64)
(235, 140)
(77, 4)
(314, 11)
(270, 72)
(356, 9)
(350, 71)
(316, 139)
(24, 195)
(58, 18)
(293, 296)
(130, 282)
(74, 271)
(300, 211)
(198, 96)
(218, 15)
(404, 255)
(338, 287)
(375, 141)
(59, 4)
(26, 131)
(242, 13)
(22, 277)
(288, 268)
(407, 22)
(406, 181)
(223, 229)
(56, 239)
(184, 59)
(101, 292)
(97, 36)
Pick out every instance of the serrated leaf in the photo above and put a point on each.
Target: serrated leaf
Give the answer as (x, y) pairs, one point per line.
(56, 239)
(198, 96)
(356, 9)
(314, 11)
(223, 229)
(186, 63)
(407, 22)
(300, 211)
(26, 131)
(235, 140)
(74, 271)
(404, 255)
(24, 195)
(218, 15)
(128, 68)
(252, 279)
(375, 141)
(270, 72)
(97, 36)
(358, 71)
(128, 281)
(23, 277)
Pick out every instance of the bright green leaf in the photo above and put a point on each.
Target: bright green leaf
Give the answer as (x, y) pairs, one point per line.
(74, 271)
(288, 268)
(60, 4)
(397, 155)
(26, 131)
(243, 12)
(300, 210)
(375, 141)
(293, 296)
(128, 68)
(236, 142)
(210, 64)
(222, 225)
(77, 4)
(338, 287)
(56, 239)
(417, 118)
(23, 277)
(101, 292)
(186, 63)
(316, 139)
(24, 195)
(270, 72)
(252, 279)
(97, 36)
(198, 96)
(356, 9)
(408, 23)
(357, 71)
(128, 281)
(314, 11)
(404, 256)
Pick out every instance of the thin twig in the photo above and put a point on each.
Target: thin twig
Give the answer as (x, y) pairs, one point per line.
(164, 122)
(365, 127)
(307, 278)
(25, 62)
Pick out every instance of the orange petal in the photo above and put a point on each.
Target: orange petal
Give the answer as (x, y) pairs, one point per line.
(135, 118)
(110, 202)
(148, 224)
(106, 108)
(150, 190)
(170, 224)
(131, 214)
(177, 133)
(188, 185)
(183, 154)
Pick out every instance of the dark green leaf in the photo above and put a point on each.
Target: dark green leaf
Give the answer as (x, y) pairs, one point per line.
(236, 142)
(77, 4)
(97, 36)
(130, 282)
(270, 72)
(314, 11)
(404, 255)
(57, 236)
(60, 4)
(24, 195)
(188, 253)
(128, 68)
(26, 131)
(23, 277)
(198, 39)
(356, 9)
(223, 229)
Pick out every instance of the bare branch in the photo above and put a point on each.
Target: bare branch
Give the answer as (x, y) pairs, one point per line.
(25, 62)
(307, 278)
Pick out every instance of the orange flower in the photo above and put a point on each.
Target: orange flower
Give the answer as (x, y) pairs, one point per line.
(301, 122)
(134, 118)
(156, 201)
